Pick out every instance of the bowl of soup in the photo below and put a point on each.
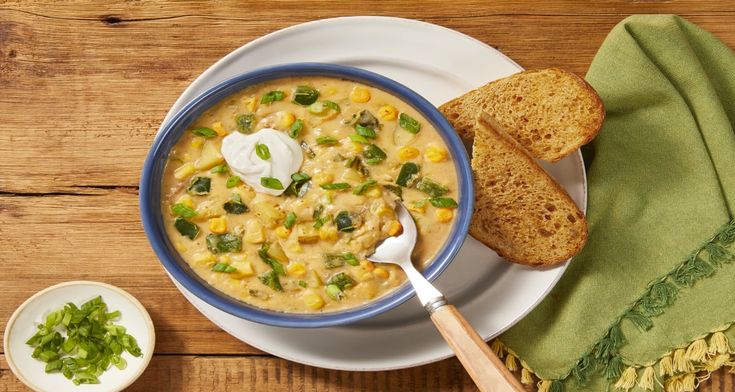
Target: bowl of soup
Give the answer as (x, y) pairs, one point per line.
(265, 195)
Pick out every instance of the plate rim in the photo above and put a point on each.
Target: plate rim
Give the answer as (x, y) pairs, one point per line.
(236, 53)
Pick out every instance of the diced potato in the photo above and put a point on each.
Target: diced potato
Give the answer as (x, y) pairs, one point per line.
(328, 233)
(208, 209)
(251, 104)
(444, 214)
(381, 273)
(384, 210)
(244, 268)
(360, 94)
(394, 228)
(435, 154)
(296, 269)
(184, 171)
(313, 301)
(285, 119)
(254, 232)
(322, 177)
(204, 258)
(417, 207)
(268, 213)
(374, 192)
(294, 246)
(388, 112)
(196, 142)
(186, 200)
(219, 128)
(351, 175)
(407, 153)
(276, 251)
(307, 235)
(282, 232)
(401, 137)
(210, 157)
(218, 225)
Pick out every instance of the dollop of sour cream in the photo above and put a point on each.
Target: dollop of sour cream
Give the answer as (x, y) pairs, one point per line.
(285, 159)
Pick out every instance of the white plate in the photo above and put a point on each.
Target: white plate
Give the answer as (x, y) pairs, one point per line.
(22, 325)
(439, 64)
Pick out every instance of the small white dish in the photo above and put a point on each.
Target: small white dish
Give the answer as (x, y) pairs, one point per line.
(23, 324)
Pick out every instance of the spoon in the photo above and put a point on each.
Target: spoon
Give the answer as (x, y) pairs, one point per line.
(486, 370)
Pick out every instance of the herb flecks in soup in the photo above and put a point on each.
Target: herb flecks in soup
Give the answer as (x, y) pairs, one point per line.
(277, 195)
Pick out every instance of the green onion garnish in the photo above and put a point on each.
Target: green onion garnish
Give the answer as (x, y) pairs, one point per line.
(290, 220)
(272, 96)
(263, 152)
(223, 267)
(443, 202)
(272, 183)
(204, 132)
(409, 123)
(335, 186)
(326, 141)
(233, 181)
(296, 128)
(183, 211)
(360, 189)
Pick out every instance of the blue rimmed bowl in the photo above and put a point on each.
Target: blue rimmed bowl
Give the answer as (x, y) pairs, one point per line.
(152, 215)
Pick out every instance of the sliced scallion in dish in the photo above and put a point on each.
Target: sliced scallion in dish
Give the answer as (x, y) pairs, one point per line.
(409, 123)
(204, 132)
(92, 342)
(263, 152)
(272, 96)
(272, 183)
(296, 128)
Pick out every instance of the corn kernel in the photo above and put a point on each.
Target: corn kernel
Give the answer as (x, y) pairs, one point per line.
(184, 171)
(203, 258)
(367, 265)
(186, 200)
(323, 178)
(196, 142)
(282, 232)
(218, 225)
(444, 214)
(435, 154)
(360, 94)
(180, 247)
(381, 273)
(388, 112)
(328, 233)
(251, 104)
(356, 147)
(219, 128)
(394, 228)
(408, 152)
(419, 207)
(287, 118)
(313, 301)
(296, 269)
(374, 192)
(384, 210)
(254, 232)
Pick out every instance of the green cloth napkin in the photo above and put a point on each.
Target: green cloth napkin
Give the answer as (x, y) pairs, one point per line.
(647, 300)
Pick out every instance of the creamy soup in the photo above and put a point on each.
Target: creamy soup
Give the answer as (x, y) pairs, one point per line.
(277, 194)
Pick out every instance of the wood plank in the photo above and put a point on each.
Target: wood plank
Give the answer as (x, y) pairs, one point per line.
(264, 373)
(95, 111)
(61, 238)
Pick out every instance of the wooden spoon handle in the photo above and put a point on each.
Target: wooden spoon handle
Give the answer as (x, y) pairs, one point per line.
(486, 369)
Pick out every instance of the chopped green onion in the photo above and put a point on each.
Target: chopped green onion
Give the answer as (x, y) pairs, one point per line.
(305, 95)
(223, 267)
(356, 163)
(245, 122)
(204, 132)
(221, 243)
(373, 154)
(321, 221)
(303, 284)
(443, 202)
(271, 183)
(332, 261)
(409, 123)
(295, 129)
(326, 140)
(359, 139)
(333, 106)
(408, 175)
(341, 280)
(335, 186)
(273, 263)
(300, 177)
(271, 280)
(272, 96)
(365, 131)
(431, 188)
(290, 220)
(199, 186)
(233, 181)
(186, 228)
(334, 292)
(360, 189)
(263, 152)
(220, 169)
(183, 211)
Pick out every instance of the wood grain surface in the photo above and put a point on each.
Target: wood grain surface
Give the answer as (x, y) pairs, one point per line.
(83, 88)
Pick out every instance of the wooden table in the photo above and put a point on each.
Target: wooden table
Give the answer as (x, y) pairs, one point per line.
(83, 88)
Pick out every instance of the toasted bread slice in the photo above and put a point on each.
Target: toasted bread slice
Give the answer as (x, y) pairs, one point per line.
(550, 112)
(520, 211)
